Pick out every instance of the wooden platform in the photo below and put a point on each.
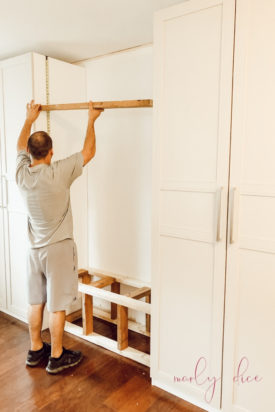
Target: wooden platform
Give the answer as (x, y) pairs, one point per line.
(92, 285)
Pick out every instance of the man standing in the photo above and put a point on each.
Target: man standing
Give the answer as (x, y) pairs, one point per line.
(52, 254)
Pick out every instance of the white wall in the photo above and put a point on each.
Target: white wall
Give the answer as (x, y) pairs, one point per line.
(119, 177)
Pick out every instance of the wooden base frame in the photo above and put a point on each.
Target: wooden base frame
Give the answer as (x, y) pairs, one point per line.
(119, 313)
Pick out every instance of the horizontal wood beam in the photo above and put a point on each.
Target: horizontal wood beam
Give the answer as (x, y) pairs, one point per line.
(108, 343)
(82, 272)
(132, 325)
(119, 104)
(139, 293)
(74, 316)
(101, 283)
(115, 298)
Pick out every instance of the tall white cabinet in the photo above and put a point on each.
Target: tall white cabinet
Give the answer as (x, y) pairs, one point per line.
(23, 78)
(250, 289)
(213, 276)
(193, 68)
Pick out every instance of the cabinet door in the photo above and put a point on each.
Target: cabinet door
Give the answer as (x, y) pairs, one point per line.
(250, 289)
(193, 77)
(3, 302)
(22, 78)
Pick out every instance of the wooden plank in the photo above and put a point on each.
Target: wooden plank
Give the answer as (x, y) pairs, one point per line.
(139, 293)
(122, 327)
(104, 315)
(74, 316)
(115, 288)
(82, 272)
(148, 317)
(109, 344)
(87, 308)
(115, 104)
(114, 297)
(132, 325)
(101, 283)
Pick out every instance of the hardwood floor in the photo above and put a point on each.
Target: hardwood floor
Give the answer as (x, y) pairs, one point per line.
(104, 381)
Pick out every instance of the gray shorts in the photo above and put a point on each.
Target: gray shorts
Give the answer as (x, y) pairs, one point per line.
(53, 275)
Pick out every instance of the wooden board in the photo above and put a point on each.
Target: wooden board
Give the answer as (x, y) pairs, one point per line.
(119, 104)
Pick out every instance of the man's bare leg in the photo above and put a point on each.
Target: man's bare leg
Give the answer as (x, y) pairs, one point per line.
(57, 323)
(35, 318)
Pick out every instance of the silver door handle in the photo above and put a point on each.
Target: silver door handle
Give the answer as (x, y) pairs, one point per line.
(234, 215)
(219, 216)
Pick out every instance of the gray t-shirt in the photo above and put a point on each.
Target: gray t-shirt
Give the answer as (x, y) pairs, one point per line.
(46, 193)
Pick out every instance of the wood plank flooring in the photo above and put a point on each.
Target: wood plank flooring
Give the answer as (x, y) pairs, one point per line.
(103, 382)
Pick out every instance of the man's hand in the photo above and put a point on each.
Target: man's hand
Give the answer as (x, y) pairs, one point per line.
(94, 113)
(33, 111)
(89, 147)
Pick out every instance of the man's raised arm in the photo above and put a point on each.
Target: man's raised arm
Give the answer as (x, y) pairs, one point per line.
(33, 111)
(89, 147)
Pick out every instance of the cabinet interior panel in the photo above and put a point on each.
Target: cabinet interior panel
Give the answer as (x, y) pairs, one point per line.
(67, 83)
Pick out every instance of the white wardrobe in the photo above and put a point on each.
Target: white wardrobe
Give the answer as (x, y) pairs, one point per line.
(213, 275)
(21, 79)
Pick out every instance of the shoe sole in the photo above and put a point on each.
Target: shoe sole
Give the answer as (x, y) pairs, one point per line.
(61, 368)
(35, 363)
(32, 364)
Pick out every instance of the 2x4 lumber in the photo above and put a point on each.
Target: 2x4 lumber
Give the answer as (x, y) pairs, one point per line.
(122, 327)
(148, 317)
(115, 104)
(115, 288)
(139, 293)
(115, 298)
(87, 308)
(104, 315)
(109, 344)
(82, 272)
(132, 325)
(74, 316)
(101, 283)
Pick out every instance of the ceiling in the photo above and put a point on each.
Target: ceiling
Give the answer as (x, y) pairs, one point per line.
(74, 30)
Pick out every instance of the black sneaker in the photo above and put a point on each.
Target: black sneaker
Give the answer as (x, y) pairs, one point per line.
(68, 359)
(34, 357)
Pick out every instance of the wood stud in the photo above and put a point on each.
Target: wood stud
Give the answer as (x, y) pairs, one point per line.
(115, 288)
(118, 104)
(87, 307)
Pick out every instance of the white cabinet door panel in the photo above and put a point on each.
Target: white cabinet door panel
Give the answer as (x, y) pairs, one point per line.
(250, 303)
(17, 91)
(193, 74)
(3, 302)
(15, 231)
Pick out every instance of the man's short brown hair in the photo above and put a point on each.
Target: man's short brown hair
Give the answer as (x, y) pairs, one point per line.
(39, 144)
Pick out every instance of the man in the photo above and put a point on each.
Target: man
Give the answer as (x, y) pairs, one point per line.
(52, 255)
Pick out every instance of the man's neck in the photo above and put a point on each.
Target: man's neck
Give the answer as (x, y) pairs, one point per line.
(39, 162)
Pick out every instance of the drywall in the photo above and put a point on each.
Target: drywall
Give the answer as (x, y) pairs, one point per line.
(119, 176)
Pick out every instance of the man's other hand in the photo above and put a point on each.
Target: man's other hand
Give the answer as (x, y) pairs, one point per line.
(94, 113)
(33, 111)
